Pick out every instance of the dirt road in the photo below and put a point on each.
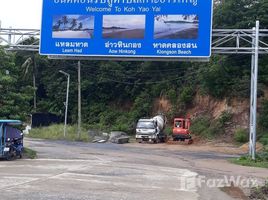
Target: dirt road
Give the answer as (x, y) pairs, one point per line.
(73, 170)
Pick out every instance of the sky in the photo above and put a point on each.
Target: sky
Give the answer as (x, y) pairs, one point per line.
(124, 21)
(20, 13)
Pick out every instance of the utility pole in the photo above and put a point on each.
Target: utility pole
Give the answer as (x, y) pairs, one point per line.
(250, 147)
(254, 91)
(34, 81)
(79, 100)
(256, 66)
(66, 102)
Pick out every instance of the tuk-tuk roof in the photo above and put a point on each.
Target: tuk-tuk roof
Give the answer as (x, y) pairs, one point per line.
(10, 122)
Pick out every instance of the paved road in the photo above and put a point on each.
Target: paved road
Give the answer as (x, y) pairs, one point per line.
(74, 171)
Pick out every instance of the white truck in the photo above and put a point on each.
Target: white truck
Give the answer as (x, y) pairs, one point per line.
(151, 129)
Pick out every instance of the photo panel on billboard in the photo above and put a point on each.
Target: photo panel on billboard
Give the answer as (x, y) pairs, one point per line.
(73, 26)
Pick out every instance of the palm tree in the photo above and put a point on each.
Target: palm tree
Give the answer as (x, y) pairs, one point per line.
(56, 27)
(30, 65)
(80, 26)
(59, 23)
(73, 23)
(160, 18)
(195, 18)
(65, 21)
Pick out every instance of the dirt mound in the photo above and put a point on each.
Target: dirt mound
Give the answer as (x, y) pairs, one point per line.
(245, 147)
(234, 192)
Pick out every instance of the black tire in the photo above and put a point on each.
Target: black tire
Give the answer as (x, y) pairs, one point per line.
(163, 139)
(157, 140)
(191, 141)
(139, 140)
(9, 156)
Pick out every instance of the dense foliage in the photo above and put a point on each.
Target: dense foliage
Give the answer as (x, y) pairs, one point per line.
(116, 94)
(15, 95)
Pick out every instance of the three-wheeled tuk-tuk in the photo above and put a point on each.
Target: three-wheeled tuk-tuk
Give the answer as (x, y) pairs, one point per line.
(11, 139)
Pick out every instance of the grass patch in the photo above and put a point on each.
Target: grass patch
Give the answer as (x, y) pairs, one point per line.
(29, 153)
(55, 132)
(261, 160)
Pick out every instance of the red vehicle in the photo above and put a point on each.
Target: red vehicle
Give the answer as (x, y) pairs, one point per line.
(181, 130)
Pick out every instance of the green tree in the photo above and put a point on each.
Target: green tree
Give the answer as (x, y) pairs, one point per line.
(14, 97)
(240, 14)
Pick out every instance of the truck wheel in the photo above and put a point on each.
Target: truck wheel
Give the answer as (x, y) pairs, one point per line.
(190, 141)
(139, 140)
(157, 140)
(164, 139)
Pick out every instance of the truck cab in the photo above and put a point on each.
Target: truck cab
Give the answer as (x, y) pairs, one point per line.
(146, 130)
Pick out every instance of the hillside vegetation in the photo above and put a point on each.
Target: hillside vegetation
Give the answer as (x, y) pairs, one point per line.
(116, 94)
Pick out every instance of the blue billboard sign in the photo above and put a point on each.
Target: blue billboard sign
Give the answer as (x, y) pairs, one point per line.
(127, 28)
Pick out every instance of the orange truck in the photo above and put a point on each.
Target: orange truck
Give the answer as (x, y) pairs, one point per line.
(181, 130)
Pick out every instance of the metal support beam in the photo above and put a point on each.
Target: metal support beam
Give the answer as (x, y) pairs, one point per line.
(255, 89)
(224, 41)
(66, 102)
(79, 100)
(251, 100)
(13, 39)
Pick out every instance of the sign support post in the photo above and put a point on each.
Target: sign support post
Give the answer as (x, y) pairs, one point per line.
(254, 93)
(79, 100)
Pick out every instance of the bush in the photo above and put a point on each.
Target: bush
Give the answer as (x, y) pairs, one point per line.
(200, 126)
(206, 127)
(168, 130)
(172, 96)
(263, 120)
(224, 118)
(123, 123)
(260, 192)
(241, 136)
(262, 136)
(186, 95)
(263, 156)
(264, 140)
(266, 148)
